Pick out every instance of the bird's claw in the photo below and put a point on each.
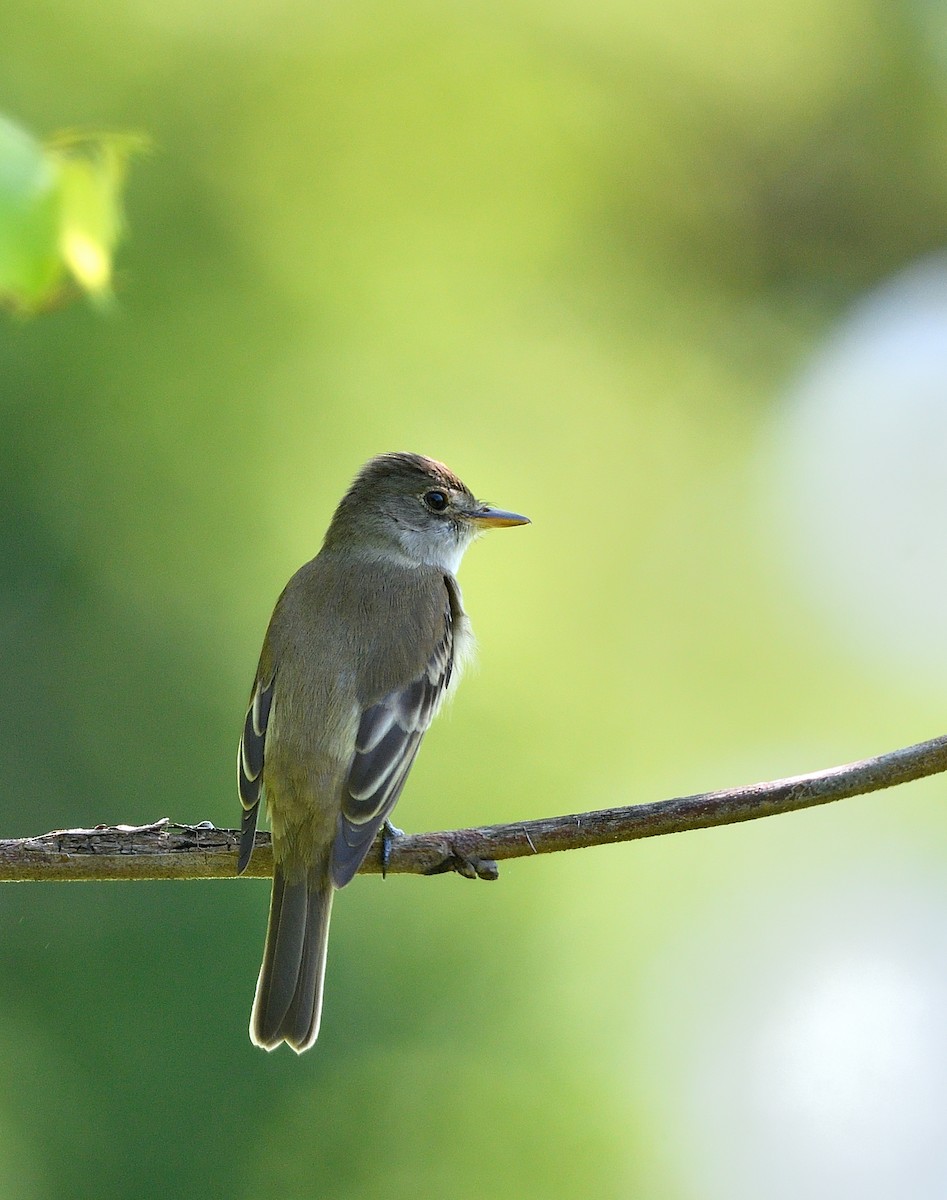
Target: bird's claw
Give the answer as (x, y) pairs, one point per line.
(389, 835)
(470, 866)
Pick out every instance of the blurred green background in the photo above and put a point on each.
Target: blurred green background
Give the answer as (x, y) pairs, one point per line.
(584, 254)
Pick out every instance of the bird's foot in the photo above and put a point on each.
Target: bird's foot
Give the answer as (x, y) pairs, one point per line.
(389, 835)
(470, 866)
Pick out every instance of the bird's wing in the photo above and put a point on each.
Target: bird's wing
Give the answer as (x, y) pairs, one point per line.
(250, 765)
(388, 738)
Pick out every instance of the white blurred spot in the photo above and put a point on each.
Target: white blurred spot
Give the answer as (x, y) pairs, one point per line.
(800, 1049)
(844, 1064)
(860, 475)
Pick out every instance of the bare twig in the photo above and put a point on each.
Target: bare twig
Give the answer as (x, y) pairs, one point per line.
(169, 851)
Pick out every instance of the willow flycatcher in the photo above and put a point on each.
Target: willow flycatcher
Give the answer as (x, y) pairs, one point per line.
(360, 652)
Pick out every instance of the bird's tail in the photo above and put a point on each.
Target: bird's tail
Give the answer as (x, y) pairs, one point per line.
(288, 1002)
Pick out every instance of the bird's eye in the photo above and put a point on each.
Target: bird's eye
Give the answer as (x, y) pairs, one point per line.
(436, 501)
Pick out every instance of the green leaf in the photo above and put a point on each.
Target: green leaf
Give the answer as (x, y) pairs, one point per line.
(92, 168)
(60, 213)
(31, 266)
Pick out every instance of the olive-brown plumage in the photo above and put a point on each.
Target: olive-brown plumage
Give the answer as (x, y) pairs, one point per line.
(363, 645)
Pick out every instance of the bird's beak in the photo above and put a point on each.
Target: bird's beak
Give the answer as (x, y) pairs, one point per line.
(494, 518)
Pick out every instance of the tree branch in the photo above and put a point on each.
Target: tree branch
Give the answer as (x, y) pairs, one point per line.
(170, 851)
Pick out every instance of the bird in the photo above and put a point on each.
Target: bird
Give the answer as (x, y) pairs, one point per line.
(364, 644)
